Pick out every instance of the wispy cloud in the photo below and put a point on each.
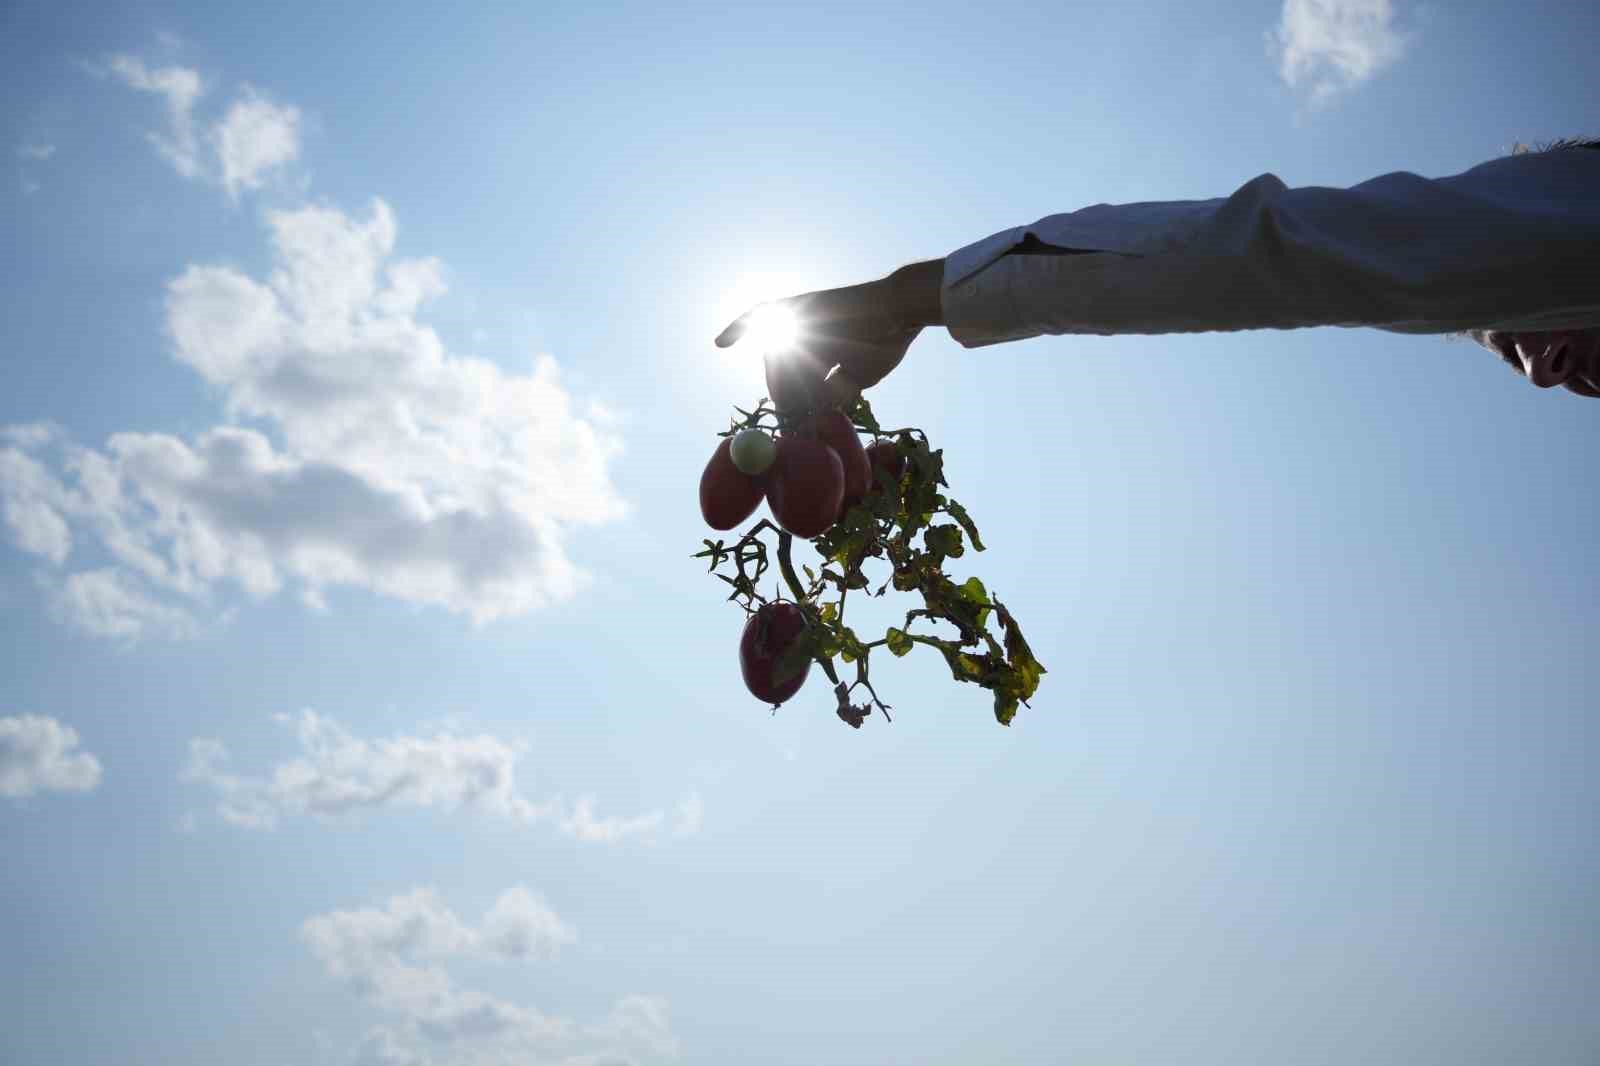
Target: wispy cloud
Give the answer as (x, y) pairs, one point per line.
(37, 153)
(39, 754)
(1325, 47)
(180, 88)
(254, 137)
(109, 603)
(395, 958)
(337, 775)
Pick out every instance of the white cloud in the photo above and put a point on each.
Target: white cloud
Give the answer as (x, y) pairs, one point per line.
(254, 137)
(27, 435)
(520, 925)
(390, 956)
(1327, 46)
(395, 957)
(32, 501)
(405, 470)
(109, 603)
(339, 775)
(382, 1046)
(36, 152)
(583, 825)
(37, 754)
(639, 1024)
(241, 801)
(181, 88)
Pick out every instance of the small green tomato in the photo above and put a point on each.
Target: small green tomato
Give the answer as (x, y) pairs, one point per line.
(753, 451)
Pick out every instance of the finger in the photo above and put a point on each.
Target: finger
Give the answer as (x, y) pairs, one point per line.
(735, 329)
(1583, 386)
(1545, 366)
(841, 389)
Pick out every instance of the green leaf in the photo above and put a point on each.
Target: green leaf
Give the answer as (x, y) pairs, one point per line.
(1028, 670)
(959, 513)
(1005, 707)
(884, 503)
(862, 415)
(973, 592)
(830, 612)
(810, 574)
(851, 548)
(905, 580)
(850, 648)
(899, 642)
(944, 541)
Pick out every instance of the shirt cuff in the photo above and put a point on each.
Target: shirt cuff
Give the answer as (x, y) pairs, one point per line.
(974, 304)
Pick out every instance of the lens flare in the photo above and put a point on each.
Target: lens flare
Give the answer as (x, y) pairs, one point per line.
(772, 329)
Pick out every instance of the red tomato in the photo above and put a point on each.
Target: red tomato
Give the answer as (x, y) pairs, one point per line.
(881, 454)
(805, 486)
(727, 496)
(835, 430)
(767, 634)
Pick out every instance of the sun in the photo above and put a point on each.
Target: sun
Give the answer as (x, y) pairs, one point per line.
(775, 328)
(771, 328)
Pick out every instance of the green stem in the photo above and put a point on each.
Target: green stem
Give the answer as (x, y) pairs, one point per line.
(786, 566)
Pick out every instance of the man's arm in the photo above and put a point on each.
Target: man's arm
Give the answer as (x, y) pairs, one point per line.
(1510, 245)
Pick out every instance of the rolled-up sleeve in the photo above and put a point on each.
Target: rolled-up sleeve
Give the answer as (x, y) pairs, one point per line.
(1513, 244)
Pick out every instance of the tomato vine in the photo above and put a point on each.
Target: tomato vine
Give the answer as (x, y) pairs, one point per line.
(911, 525)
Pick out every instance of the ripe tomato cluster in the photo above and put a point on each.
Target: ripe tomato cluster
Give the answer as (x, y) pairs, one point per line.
(884, 505)
(810, 476)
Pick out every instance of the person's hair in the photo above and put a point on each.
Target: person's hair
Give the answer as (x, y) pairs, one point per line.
(1561, 144)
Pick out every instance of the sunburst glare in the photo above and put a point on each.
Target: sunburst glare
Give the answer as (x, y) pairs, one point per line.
(772, 328)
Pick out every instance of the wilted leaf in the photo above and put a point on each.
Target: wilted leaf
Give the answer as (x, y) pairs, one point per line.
(850, 549)
(944, 541)
(959, 513)
(862, 415)
(1005, 708)
(899, 642)
(1028, 669)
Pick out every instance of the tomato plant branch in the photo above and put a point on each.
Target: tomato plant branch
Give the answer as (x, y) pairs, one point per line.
(894, 521)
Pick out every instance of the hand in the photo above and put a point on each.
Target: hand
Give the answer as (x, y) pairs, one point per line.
(1569, 358)
(848, 338)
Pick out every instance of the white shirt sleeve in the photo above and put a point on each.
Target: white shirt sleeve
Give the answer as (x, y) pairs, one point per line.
(1512, 244)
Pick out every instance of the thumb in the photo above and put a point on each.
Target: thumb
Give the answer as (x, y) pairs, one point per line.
(841, 389)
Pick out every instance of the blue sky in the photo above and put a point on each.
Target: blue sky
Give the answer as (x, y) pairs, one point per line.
(360, 701)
